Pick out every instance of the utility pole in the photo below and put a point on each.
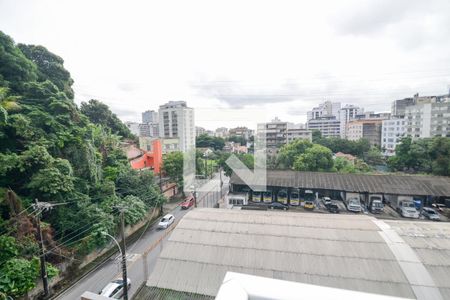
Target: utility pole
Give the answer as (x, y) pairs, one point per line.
(42, 250)
(124, 257)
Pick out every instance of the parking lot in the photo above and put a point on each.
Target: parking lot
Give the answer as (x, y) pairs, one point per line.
(320, 207)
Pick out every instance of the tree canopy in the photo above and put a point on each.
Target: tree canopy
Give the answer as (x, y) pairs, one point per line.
(53, 151)
(429, 155)
(206, 141)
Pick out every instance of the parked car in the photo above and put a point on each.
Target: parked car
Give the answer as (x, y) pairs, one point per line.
(438, 206)
(333, 208)
(166, 221)
(430, 214)
(114, 289)
(278, 205)
(309, 205)
(326, 201)
(188, 202)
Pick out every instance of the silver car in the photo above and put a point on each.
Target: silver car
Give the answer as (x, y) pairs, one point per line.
(166, 221)
(430, 214)
(114, 289)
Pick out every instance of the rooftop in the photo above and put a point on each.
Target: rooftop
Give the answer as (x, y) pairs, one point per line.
(414, 185)
(396, 258)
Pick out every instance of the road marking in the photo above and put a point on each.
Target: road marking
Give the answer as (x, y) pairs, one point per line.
(417, 275)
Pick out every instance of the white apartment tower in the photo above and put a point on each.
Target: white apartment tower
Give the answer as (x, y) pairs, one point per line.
(325, 109)
(393, 130)
(346, 114)
(176, 120)
(428, 118)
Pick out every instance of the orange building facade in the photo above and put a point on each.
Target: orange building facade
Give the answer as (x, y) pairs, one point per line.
(151, 160)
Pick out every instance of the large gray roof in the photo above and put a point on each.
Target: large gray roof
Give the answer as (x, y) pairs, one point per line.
(343, 251)
(415, 185)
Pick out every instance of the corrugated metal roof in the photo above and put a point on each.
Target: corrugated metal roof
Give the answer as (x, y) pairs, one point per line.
(415, 185)
(343, 251)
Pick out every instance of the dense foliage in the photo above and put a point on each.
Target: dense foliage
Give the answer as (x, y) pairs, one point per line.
(206, 141)
(302, 155)
(55, 152)
(335, 144)
(430, 155)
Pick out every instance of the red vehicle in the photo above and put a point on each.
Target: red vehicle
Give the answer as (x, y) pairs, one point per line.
(188, 202)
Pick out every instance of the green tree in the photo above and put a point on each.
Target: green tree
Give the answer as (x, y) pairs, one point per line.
(315, 158)
(7, 103)
(247, 159)
(289, 152)
(237, 139)
(173, 166)
(99, 113)
(440, 155)
(9, 248)
(316, 136)
(374, 157)
(412, 156)
(49, 67)
(15, 68)
(206, 141)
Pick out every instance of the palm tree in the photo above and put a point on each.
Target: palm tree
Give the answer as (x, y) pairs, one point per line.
(7, 104)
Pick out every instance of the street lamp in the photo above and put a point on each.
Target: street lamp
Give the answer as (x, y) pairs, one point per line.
(124, 265)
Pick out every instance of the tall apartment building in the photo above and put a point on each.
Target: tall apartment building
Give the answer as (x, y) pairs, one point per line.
(150, 116)
(428, 117)
(241, 132)
(393, 130)
(325, 109)
(399, 106)
(149, 129)
(278, 133)
(199, 130)
(298, 133)
(176, 120)
(369, 129)
(329, 126)
(221, 132)
(328, 116)
(346, 114)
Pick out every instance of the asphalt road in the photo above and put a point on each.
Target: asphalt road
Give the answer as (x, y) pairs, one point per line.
(152, 238)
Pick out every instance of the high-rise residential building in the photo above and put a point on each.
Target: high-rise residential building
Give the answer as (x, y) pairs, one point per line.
(278, 133)
(329, 126)
(428, 117)
(222, 132)
(325, 109)
(241, 132)
(199, 131)
(393, 130)
(134, 127)
(176, 120)
(149, 129)
(298, 133)
(370, 115)
(398, 106)
(347, 113)
(369, 129)
(150, 116)
(327, 115)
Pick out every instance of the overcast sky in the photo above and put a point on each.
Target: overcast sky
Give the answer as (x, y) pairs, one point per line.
(241, 62)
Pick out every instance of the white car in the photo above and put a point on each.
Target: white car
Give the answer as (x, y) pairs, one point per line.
(166, 221)
(326, 201)
(114, 289)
